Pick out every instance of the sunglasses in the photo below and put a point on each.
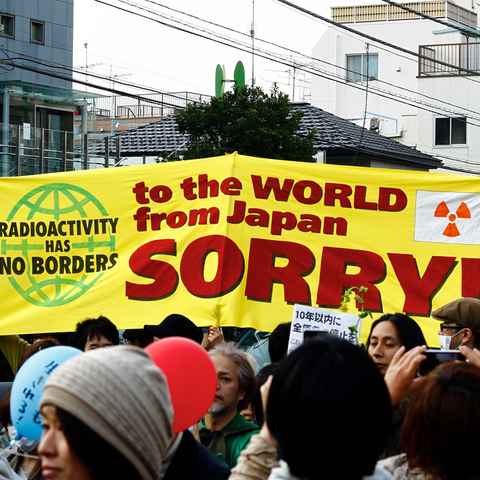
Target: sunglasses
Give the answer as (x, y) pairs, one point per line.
(446, 327)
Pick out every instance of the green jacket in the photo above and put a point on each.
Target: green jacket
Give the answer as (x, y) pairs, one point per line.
(229, 442)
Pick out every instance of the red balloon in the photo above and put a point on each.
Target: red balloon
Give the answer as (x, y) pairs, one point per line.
(191, 376)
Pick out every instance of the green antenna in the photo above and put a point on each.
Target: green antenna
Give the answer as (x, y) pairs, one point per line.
(239, 75)
(238, 78)
(219, 80)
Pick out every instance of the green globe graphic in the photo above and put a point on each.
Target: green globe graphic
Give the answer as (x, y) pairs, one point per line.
(86, 232)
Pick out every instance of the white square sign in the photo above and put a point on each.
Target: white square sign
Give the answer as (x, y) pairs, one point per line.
(331, 321)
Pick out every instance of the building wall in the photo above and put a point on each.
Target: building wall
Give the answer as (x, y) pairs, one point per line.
(463, 92)
(58, 46)
(380, 164)
(409, 130)
(397, 72)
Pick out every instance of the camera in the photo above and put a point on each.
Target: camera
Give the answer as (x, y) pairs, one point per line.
(436, 357)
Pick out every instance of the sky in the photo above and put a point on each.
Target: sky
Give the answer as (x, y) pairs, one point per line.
(137, 50)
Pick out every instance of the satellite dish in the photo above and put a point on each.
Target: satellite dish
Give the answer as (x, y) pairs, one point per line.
(219, 80)
(239, 75)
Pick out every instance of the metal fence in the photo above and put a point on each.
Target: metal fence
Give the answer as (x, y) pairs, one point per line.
(383, 12)
(149, 105)
(459, 55)
(30, 151)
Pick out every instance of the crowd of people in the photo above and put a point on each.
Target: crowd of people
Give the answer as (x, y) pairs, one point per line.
(328, 410)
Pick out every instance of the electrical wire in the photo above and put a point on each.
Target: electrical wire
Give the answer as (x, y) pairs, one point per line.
(308, 56)
(2, 62)
(176, 106)
(365, 109)
(284, 61)
(145, 89)
(308, 69)
(375, 39)
(290, 50)
(119, 92)
(100, 87)
(156, 3)
(343, 79)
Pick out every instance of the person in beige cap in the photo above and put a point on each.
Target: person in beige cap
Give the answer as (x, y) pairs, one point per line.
(107, 414)
(460, 323)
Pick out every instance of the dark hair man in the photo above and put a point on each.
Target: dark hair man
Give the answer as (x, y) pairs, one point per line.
(138, 337)
(223, 430)
(95, 333)
(175, 325)
(278, 342)
(315, 393)
(187, 457)
(460, 323)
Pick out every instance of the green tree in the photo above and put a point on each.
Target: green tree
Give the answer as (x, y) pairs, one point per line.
(249, 121)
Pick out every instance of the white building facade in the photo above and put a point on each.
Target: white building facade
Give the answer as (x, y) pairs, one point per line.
(431, 106)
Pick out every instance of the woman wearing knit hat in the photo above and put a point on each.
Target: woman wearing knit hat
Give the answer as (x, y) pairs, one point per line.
(106, 414)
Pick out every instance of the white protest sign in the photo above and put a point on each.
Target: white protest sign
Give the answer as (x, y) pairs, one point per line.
(311, 318)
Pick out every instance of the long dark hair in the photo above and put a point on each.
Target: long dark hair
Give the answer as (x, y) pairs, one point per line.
(410, 333)
(101, 458)
(442, 421)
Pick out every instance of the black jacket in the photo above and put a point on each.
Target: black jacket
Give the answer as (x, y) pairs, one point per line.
(192, 461)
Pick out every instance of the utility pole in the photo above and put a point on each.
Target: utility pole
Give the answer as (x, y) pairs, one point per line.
(86, 64)
(252, 34)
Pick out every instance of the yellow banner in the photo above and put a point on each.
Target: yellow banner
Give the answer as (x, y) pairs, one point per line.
(233, 240)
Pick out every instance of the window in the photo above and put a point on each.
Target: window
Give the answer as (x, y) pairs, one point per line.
(451, 131)
(37, 32)
(7, 25)
(357, 66)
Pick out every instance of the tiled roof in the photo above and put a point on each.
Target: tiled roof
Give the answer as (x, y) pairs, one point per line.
(151, 139)
(333, 134)
(336, 133)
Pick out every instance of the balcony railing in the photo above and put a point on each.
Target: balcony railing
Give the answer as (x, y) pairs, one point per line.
(29, 151)
(150, 105)
(385, 12)
(464, 59)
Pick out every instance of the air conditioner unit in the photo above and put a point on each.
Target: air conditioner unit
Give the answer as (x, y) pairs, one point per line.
(374, 125)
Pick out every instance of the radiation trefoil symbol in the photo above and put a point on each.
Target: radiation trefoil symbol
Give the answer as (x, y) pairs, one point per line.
(443, 211)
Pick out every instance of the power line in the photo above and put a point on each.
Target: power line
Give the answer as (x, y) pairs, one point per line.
(313, 70)
(98, 76)
(138, 97)
(309, 69)
(100, 87)
(288, 49)
(375, 39)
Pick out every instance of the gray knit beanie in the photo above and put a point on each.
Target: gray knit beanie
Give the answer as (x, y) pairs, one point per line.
(123, 397)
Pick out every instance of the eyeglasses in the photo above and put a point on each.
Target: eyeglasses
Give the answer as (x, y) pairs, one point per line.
(446, 327)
